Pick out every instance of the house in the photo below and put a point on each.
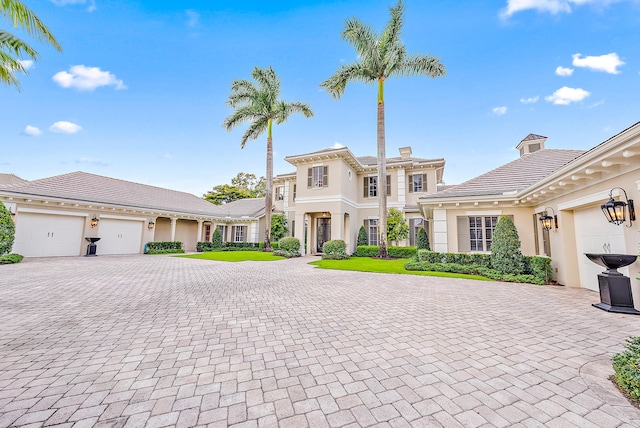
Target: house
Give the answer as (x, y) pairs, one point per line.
(569, 186)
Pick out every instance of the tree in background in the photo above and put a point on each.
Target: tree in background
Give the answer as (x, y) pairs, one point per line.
(278, 227)
(249, 182)
(363, 238)
(243, 186)
(12, 49)
(506, 256)
(379, 58)
(397, 228)
(7, 230)
(422, 241)
(258, 105)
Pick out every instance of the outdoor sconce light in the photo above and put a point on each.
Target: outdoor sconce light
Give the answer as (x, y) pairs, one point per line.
(151, 224)
(94, 221)
(614, 211)
(548, 221)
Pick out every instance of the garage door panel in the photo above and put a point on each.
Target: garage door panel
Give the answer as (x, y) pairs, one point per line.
(46, 235)
(119, 236)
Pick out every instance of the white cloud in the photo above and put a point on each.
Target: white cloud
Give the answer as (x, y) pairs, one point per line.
(64, 127)
(85, 78)
(26, 63)
(193, 18)
(608, 63)
(531, 100)
(90, 8)
(566, 96)
(91, 161)
(166, 155)
(562, 71)
(551, 6)
(337, 145)
(31, 131)
(499, 111)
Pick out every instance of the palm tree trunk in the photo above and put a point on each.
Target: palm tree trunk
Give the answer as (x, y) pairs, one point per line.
(268, 191)
(382, 174)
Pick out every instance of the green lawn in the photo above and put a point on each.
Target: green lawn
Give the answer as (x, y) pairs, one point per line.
(235, 256)
(367, 264)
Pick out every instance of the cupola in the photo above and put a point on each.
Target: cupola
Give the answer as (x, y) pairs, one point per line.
(531, 143)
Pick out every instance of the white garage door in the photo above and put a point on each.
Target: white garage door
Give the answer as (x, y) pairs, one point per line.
(119, 236)
(595, 235)
(46, 235)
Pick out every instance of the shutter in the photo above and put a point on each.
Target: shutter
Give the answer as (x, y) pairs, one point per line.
(366, 227)
(233, 233)
(366, 187)
(295, 189)
(245, 231)
(464, 239)
(388, 185)
(325, 176)
(410, 184)
(412, 232)
(310, 178)
(424, 182)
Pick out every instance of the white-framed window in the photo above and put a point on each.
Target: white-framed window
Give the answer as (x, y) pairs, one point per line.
(475, 233)
(370, 186)
(371, 225)
(280, 193)
(223, 231)
(318, 177)
(417, 183)
(415, 224)
(239, 233)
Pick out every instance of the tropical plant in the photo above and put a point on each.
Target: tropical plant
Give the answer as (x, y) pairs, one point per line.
(334, 250)
(278, 227)
(13, 49)
(626, 366)
(506, 256)
(397, 228)
(258, 104)
(422, 241)
(216, 239)
(379, 58)
(7, 230)
(363, 239)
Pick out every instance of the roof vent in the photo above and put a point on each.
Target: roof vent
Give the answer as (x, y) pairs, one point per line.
(531, 143)
(405, 152)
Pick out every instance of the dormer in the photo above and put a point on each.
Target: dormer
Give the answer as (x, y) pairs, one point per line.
(531, 143)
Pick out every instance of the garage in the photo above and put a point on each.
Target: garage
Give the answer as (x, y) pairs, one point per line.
(595, 235)
(48, 234)
(119, 236)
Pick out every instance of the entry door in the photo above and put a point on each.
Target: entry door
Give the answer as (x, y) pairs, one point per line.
(324, 232)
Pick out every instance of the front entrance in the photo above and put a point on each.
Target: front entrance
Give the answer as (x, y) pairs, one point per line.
(324, 232)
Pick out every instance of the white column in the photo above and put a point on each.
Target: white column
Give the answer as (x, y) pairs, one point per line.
(402, 189)
(440, 242)
(199, 230)
(173, 228)
(337, 226)
(299, 230)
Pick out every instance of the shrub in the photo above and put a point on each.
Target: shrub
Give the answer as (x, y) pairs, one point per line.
(166, 251)
(626, 366)
(334, 250)
(288, 247)
(363, 239)
(216, 239)
(10, 258)
(278, 227)
(366, 251)
(7, 230)
(204, 246)
(506, 257)
(402, 252)
(164, 245)
(540, 267)
(422, 240)
(274, 246)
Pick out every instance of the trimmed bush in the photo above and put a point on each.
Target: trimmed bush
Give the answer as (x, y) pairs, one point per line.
(506, 256)
(366, 251)
(471, 269)
(7, 230)
(626, 366)
(363, 239)
(10, 258)
(164, 245)
(540, 267)
(216, 239)
(422, 240)
(278, 227)
(168, 251)
(288, 247)
(402, 252)
(203, 246)
(335, 249)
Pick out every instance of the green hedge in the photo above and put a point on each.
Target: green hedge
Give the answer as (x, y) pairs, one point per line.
(165, 245)
(287, 247)
(335, 249)
(233, 246)
(395, 252)
(167, 251)
(626, 366)
(10, 258)
(475, 269)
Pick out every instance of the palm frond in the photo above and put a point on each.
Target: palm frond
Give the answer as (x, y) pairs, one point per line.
(22, 17)
(422, 65)
(363, 38)
(356, 72)
(16, 47)
(8, 67)
(390, 37)
(240, 116)
(254, 130)
(284, 110)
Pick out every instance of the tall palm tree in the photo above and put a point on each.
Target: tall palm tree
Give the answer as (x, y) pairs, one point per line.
(379, 58)
(258, 104)
(12, 48)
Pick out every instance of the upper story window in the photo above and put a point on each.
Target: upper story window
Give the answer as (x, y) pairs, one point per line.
(318, 177)
(370, 188)
(280, 193)
(417, 183)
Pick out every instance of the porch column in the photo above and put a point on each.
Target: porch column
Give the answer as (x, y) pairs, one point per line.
(174, 220)
(199, 230)
(211, 230)
(299, 230)
(439, 239)
(337, 226)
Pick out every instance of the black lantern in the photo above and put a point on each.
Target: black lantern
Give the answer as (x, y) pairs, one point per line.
(548, 221)
(94, 221)
(615, 211)
(151, 224)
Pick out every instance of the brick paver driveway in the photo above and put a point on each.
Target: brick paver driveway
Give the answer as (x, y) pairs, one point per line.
(163, 341)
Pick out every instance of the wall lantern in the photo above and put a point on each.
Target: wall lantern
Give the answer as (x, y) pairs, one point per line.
(151, 224)
(548, 221)
(614, 211)
(94, 221)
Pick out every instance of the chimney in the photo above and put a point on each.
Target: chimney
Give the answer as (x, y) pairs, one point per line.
(405, 152)
(531, 143)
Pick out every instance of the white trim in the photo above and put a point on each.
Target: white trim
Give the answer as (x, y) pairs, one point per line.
(119, 217)
(484, 213)
(588, 200)
(638, 183)
(39, 211)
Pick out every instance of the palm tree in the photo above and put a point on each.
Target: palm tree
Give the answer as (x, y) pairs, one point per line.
(259, 105)
(12, 48)
(379, 58)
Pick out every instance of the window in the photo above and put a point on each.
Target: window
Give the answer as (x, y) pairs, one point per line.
(223, 231)
(318, 177)
(239, 234)
(475, 233)
(415, 224)
(280, 193)
(207, 232)
(417, 183)
(370, 189)
(371, 225)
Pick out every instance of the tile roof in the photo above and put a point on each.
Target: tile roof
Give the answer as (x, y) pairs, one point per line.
(11, 179)
(513, 176)
(91, 188)
(252, 207)
(533, 137)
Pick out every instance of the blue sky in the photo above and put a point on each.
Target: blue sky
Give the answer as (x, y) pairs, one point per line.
(139, 92)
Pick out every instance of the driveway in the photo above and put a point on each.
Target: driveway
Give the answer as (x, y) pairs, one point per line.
(156, 341)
